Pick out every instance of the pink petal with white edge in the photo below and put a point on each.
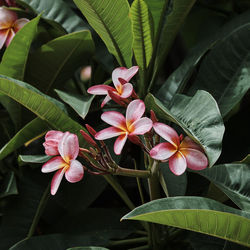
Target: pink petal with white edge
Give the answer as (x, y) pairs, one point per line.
(19, 23)
(114, 118)
(100, 89)
(51, 149)
(7, 18)
(108, 133)
(177, 163)
(53, 164)
(167, 133)
(106, 99)
(68, 147)
(123, 73)
(134, 111)
(127, 90)
(189, 143)
(162, 151)
(54, 135)
(196, 160)
(75, 172)
(119, 143)
(3, 37)
(141, 126)
(56, 180)
(9, 37)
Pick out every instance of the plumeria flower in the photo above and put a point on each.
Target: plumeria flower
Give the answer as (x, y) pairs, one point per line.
(65, 163)
(123, 127)
(123, 89)
(9, 25)
(181, 153)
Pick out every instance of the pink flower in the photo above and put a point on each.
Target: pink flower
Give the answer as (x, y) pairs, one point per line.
(52, 139)
(123, 127)
(120, 78)
(9, 25)
(181, 153)
(65, 163)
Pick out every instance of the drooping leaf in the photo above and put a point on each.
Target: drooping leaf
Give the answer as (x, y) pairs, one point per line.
(34, 158)
(79, 103)
(227, 67)
(198, 116)
(197, 214)
(55, 62)
(142, 30)
(174, 13)
(58, 11)
(39, 104)
(233, 180)
(28, 132)
(110, 19)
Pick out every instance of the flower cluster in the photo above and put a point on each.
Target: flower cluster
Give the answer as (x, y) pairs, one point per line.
(180, 152)
(9, 25)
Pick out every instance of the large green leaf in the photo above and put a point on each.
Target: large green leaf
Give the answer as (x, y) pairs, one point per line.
(170, 23)
(155, 8)
(39, 104)
(233, 180)
(55, 62)
(197, 214)
(225, 71)
(13, 64)
(57, 10)
(142, 30)
(198, 116)
(79, 103)
(28, 132)
(110, 19)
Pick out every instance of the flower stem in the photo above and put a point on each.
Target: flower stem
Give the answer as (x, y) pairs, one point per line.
(132, 172)
(129, 241)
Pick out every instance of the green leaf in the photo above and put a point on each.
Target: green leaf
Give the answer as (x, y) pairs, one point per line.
(155, 8)
(57, 10)
(110, 19)
(8, 185)
(39, 104)
(65, 54)
(34, 158)
(87, 248)
(197, 214)
(226, 66)
(233, 180)
(79, 103)
(15, 57)
(142, 30)
(198, 116)
(28, 132)
(172, 17)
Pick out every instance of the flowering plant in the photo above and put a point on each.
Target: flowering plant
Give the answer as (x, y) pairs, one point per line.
(145, 138)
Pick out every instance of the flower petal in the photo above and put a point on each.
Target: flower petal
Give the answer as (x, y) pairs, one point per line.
(19, 23)
(162, 151)
(134, 111)
(189, 143)
(56, 180)
(177, 163)
(106, 99)
(54, 135)
(119, 143)
(10, 36)
(114, 118)
(108, 133)
(141, 126)
(100, 89)
(167, 133)
(127, 90)
(75, 172)
(53, 164)
(3, 37)
(123, 73)
(68, 147)
(7, 18)
(196, 160)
